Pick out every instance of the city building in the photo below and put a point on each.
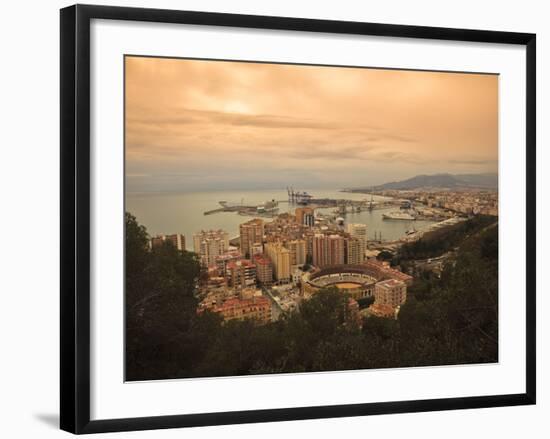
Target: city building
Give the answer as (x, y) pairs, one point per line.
(237, 308)
(250, 233)
(382, 310)
(222, 260)
(354, 251)
(210, 244)
(382, 270)
(177, 240)
(359, 231)
(257, 249)
(215, 296)
(328, 250)
(264, 270)
(280, 258)
(241, 273)
(297, 276)
(249, 293)
(283, 228)
(308, 236)
(319, 250)
(390, 292)
(298, 251)
(336, 249)
(305, 216)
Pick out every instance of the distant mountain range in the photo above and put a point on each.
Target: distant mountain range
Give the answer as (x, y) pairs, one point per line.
(443, 181)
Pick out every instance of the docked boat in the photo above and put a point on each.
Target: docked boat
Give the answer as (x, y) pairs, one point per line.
(268, 207)
(400, 216)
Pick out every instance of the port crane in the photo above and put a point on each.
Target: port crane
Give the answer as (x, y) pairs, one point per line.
(295, 196)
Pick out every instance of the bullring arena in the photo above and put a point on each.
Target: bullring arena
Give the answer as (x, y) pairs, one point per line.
(353, 279)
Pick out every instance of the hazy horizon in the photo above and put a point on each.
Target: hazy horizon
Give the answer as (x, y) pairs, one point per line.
(277, 188)
(196, 125)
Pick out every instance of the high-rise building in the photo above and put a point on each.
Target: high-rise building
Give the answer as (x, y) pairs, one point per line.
(226, 258)
(280, 258)
(298, 251)
(264, 270)
(177, 240)
(241, 273)
(308, 236)
(210, 244)
(337, 250)
(305, 216)
(320, 250)
(359, 231)
(257, 249)
(251, 232)
(354, 251)
(328, 250)
(390, 292)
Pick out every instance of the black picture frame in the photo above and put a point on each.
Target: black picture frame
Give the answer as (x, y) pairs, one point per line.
(75, 217)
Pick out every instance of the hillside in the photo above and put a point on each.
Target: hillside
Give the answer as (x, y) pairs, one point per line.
(444, 181)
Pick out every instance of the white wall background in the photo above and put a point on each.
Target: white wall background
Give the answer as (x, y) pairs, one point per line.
(29, 222)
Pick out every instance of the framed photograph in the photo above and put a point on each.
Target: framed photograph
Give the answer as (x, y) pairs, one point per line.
(268, 219)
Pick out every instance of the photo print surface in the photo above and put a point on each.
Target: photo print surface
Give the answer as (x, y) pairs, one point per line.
(286, 218)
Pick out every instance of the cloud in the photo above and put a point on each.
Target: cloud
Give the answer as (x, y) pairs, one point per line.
(474, 162)
(190, 116)
(192, 120)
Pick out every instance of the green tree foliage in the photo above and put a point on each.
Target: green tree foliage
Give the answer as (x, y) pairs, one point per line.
(447, 320)
(384, 255)
(136, 259)
(437, 242)
(455, 318)
(365, 302)
(160, 303)
(325, 313)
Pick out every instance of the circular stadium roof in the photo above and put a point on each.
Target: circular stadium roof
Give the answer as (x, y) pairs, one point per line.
(342, 276)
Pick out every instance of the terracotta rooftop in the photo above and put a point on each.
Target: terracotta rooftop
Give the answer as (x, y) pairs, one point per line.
(262, 260)
(242, 263)
(390, 283)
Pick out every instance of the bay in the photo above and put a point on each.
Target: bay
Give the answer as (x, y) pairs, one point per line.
(183, 212)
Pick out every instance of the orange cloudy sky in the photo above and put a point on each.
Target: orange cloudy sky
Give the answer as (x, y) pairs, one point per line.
(203, 125)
